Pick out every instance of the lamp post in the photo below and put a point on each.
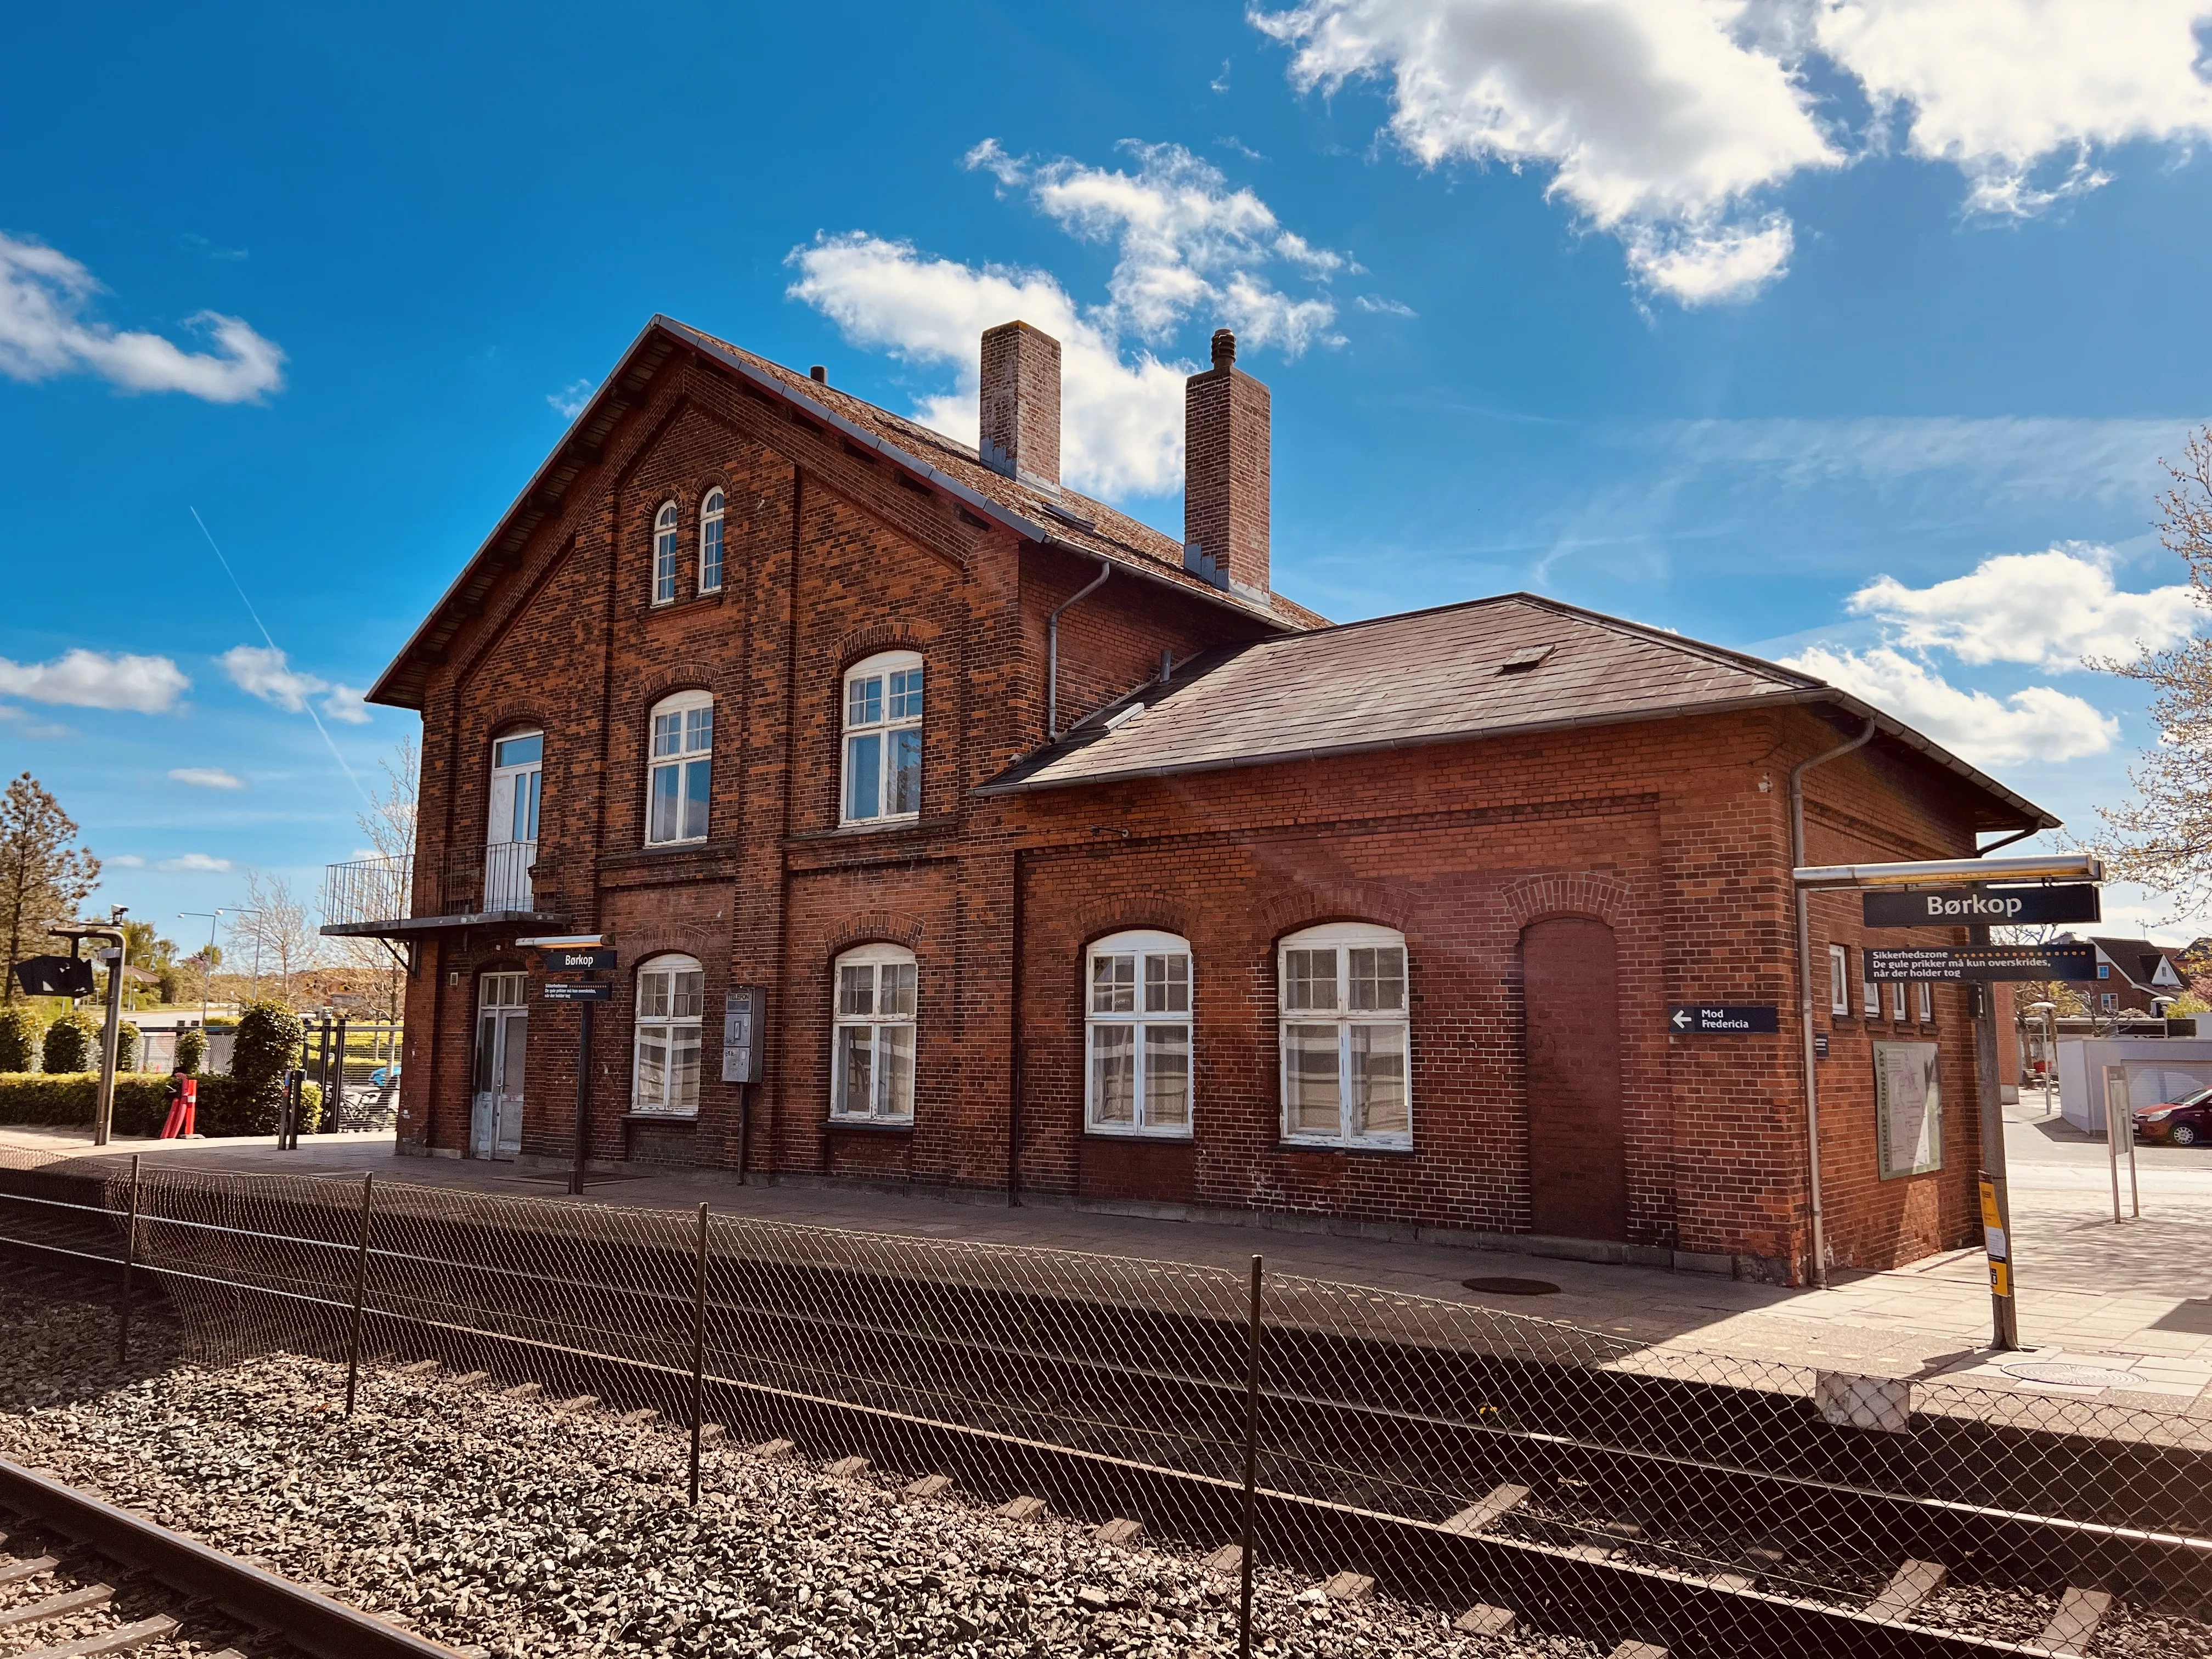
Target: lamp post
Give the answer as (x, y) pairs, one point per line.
(207, 966)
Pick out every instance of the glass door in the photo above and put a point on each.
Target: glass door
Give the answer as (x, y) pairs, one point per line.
(502, 1037)
(518, 766)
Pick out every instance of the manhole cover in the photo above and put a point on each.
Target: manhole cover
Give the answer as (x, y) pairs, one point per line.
(2074, 1376)
(1512, 1287)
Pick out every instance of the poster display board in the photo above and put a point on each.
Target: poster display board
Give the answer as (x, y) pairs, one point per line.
(1908, 1105)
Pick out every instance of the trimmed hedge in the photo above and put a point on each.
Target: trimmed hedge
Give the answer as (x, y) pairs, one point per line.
(72, 1043)
(192, 1049)
(141, 1103)
(21, 1029)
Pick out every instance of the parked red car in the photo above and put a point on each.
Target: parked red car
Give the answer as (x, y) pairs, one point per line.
(2183, 1122)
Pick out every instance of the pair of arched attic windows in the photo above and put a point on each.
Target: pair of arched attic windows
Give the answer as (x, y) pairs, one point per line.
(667, 547)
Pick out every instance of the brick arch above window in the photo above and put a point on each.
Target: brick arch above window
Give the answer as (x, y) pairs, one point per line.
(511, 718)
(1536, 898)
(1161, 912)
(875, 928)
(1318, 901)
(874, 637)
(671, 678)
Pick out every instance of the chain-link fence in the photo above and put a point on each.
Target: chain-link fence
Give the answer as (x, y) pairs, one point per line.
(1514, 1473)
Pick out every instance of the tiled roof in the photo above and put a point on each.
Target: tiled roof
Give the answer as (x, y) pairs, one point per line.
(1462, 672)
(2136, 958)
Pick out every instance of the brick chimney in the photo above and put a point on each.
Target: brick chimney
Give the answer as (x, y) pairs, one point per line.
(1020, 426)
(1225, 474)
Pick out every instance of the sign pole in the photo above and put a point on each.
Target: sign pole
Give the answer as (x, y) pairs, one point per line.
(1996, 1195)
(583, 1100)
(103, 1125)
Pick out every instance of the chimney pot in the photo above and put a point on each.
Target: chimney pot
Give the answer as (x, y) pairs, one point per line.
(1017, 427)
(820, 373)
(1225, 468)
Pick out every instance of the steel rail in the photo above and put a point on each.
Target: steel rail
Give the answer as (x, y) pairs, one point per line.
(315, 1623)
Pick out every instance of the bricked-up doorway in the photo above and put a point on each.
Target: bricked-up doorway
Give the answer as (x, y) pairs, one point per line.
(1577, 1170)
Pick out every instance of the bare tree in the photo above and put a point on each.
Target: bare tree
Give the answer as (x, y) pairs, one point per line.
(44, 875)
(2163, 838)
(388, 822)
(275, 929)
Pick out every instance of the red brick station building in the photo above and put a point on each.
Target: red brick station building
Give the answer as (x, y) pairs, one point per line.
(1071, 862)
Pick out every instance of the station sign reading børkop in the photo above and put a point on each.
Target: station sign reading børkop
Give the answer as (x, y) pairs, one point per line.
(1983, 962)
(1951, 906)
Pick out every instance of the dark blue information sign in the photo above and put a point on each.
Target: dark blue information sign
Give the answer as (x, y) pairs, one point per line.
(1723, 1018)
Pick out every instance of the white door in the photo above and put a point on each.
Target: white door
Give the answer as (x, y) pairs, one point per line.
(517, 763)
(503, 1034)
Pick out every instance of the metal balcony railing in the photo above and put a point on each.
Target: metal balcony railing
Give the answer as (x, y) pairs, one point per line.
(501, 879)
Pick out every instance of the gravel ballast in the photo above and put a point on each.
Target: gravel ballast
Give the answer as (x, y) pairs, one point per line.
(482, 1521)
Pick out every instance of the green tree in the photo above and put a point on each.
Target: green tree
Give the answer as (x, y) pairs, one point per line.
(269, 1037)
(192, 1050)
(20, 1030)
(72, 1042)
(43, 874)
(151, 953)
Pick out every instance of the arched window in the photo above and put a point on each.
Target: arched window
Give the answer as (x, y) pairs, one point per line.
(1137, 1035)
(1342, 992)
(680, 781)
(671, 998)
(664, 555)
(882, 738)
(710, 543)
(872, 1062)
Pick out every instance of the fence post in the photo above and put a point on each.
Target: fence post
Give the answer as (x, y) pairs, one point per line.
(1251, 1466)
(360, 1286)
(130, 1260)
(698, 1353)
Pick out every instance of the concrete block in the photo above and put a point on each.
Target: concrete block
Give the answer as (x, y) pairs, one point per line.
(522, 1391)
(929, 1485)
(2079, 1613)
(1486, 1511)
(575, 1403)
(1021, 1508)
(1348, 1587)
(846, 1468)
(1230, 1558)
(772, 1449)
(1119, 1531)
(1483, 1619)
(1914, 1583)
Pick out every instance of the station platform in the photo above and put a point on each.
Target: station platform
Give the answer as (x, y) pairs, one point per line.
(2134, 1298)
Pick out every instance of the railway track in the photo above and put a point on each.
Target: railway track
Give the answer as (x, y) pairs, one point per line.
(1471, 1505)
(98, 1579)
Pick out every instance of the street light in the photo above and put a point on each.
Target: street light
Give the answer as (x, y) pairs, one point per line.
(207, 966)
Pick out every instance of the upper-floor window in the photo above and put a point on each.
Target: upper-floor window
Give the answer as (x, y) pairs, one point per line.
(1137, 1030)
(882, 738)
(517, 771)
(872, 1061)
(1839, 981)
(671, 1002)
(664, 555)
(681, 776)
(1344, 1035)
(710, 543)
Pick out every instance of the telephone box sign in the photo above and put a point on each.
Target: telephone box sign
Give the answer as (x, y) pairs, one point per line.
(741, 1034)
(1952, 907)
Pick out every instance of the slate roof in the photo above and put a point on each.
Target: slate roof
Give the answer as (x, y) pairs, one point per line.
(1066, 520)
(1440, 675)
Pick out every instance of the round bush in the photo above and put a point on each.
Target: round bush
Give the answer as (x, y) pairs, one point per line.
(72, 1042)
(127, 1042)
(269, 1037)
(192, 1050)
(20, 1030)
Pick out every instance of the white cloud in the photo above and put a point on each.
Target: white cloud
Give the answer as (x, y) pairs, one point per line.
(206, 777)
(263, 671)
(194, 862)
(2051, 609)
(346, 702)
(1667, 123)
(95, 679)
(1380, 305)
(44, 332)
(568, 402)
(1187, 246)
(1997, 87)
(126, 862)
(27, 728)
(1658, 119)
(2037, 724)
(1121, 420)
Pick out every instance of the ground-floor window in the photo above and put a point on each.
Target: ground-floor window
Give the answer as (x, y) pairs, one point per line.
(1345, 1044)
(871, 1050)
(1137, 1027)
(671, 998)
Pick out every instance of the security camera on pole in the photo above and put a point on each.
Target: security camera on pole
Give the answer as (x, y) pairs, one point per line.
(71, 976)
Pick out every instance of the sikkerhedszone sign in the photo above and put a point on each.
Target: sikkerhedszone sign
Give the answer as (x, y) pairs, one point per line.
(1954, 907)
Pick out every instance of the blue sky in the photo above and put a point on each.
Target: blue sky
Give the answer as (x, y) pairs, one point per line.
(1775, 324)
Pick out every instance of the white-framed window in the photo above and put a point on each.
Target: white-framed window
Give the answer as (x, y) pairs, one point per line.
(2109, 1001)
(1897, 998)
(1839, 981)
(1927, 1002)
(872, 1058)
(1137, 1035)
(680, 774)
(1344, 1041)
(664, 553)
(1870, 997)
(883, 740)
(671, 1002)
(710, 543)
(518, 772)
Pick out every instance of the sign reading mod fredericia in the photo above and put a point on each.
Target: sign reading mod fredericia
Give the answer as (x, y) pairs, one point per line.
(1953, 907)
(2014, 961)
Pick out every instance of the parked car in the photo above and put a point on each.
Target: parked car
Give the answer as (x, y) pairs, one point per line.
(2183, 1122)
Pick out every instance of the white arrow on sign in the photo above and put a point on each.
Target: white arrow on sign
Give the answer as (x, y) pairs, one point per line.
(1681, 1018)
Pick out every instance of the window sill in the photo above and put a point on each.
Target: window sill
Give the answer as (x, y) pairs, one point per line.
(875, 827)
(1358, 1148)
(1171, 1137)
(873, 1126)
(691, 1117)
